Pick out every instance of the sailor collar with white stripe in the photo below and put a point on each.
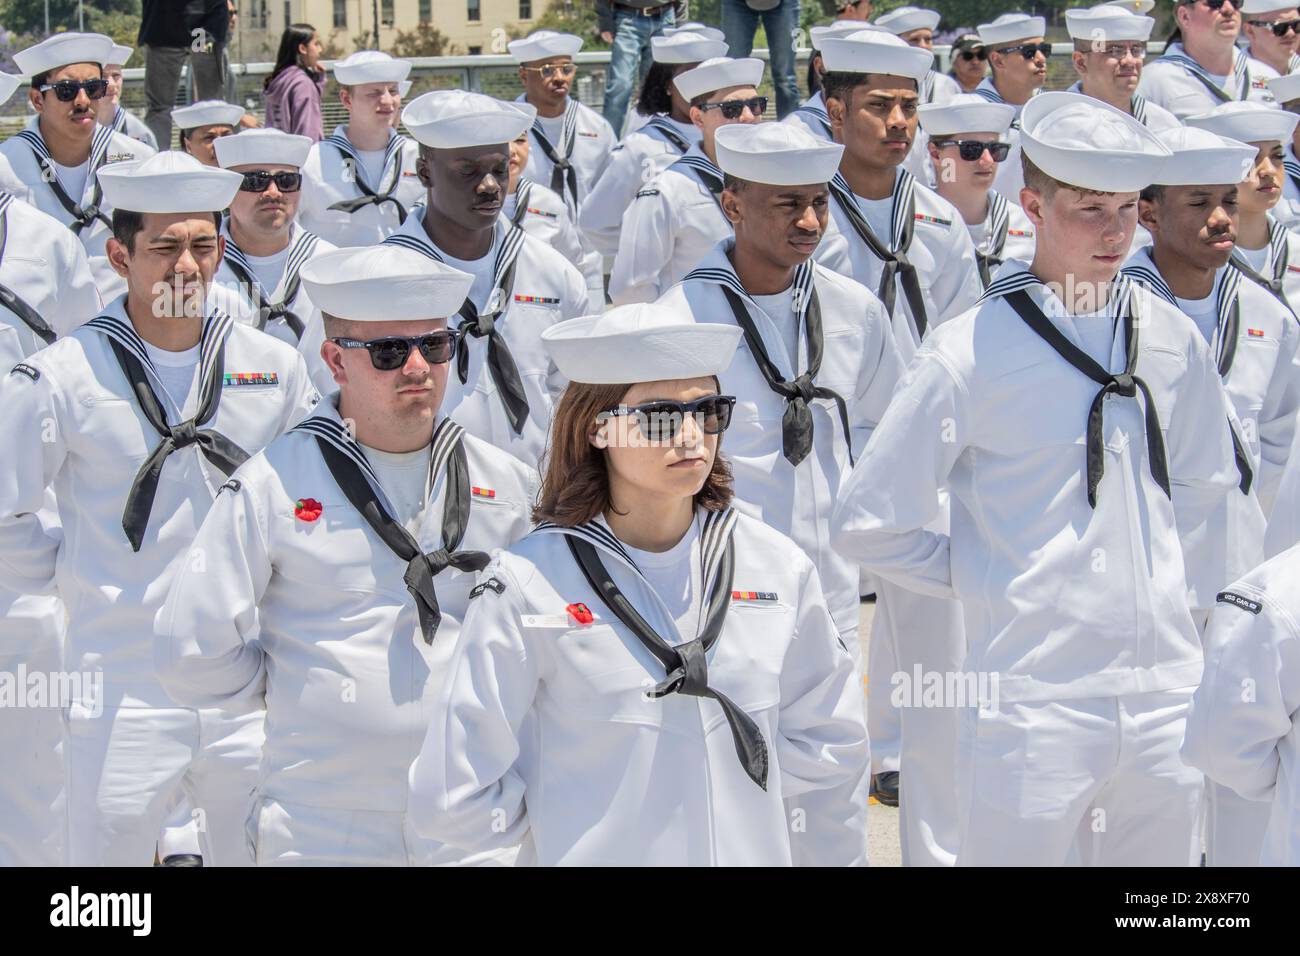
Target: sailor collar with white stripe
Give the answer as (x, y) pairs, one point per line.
(392, 151)
(1227, 286)
(507, 241)
(715, 533)
(302, 245)
(114, 323)
(904, 188)
(1176, 54)
(1278, 257)
(670, 131)
(325, 423)
(695, 160)
(990, 92)
(1015, 275)
(99, 143)
(815, 107)
(716, 268)
(5, 200)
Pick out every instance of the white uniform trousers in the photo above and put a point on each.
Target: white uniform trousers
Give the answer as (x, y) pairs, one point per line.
(126, 766)
(924, 634)
(1090, 782)
(884, 724)
(180, 832)
(1234, 826)
(32, 819)
(296, 834)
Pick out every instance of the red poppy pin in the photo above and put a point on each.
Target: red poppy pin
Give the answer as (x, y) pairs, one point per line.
(580, 613)
(307, 509)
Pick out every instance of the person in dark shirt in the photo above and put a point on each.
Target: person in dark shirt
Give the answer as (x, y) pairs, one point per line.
(171, 31)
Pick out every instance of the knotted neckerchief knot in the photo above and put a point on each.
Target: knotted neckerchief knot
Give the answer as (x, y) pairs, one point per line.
(350, 206)
(804, 388)
(1123, 384)
(691, 677)
(184, 434)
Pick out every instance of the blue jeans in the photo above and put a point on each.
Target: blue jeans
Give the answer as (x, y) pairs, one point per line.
(740, 23)
(629, 60)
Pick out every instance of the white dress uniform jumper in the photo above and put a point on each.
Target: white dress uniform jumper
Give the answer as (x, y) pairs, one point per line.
(340, 203)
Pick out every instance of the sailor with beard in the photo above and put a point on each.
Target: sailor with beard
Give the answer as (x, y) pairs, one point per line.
(52, 164)
(1192, 217)
(134, 420)
(266, 249)
(504, 384)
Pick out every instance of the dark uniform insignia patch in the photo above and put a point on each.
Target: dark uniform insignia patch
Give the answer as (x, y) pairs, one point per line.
(492, 583)
(22, 368)
(1237, 600)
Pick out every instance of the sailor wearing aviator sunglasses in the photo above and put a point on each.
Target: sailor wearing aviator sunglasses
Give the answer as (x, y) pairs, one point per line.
(342, 562)
(52, 163)
(266, 248)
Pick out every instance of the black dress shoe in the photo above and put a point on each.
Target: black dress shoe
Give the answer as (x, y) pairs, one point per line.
(183, 859)
(867, 598)
(884, 787)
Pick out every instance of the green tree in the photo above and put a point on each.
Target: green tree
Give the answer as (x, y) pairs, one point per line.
(424, 40)
(28, 16)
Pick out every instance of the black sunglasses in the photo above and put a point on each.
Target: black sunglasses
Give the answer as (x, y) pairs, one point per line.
(1212, 4)
(1280, 28)
(259, 181)
(1029, 50)
(972, 149)
(392, 351)
(67, 90)
(731, 109)
(661, 421)
(969, 55)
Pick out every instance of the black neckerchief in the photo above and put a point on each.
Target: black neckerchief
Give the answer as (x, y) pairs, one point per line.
(797, 420)
(10, 299)
(304, 246)
(1279, 257)
(999, 221)
(1126, 384)
(369, 196)
(903, 220)
(686, 665)
(1227, 307)
(217, 448)
(480, 324)
(82, 216)
(563, 173)
(357, 480)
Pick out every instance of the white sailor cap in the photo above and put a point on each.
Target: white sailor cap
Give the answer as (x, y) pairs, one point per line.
(454, 119)
(384, 284)
(63, 49)
(119, 55)
(1285, 88)
(1106, 22)
(686, 47)
(840, 28)
(8, 83)
(1202, 158)
(1009, 27)
(542, 45)
(370, 66)
(168, 182)
(643, 342)
(692, 26)
(875, 51)
(1140, 7)
(718, 73)
(1083, 142)
(907, 19)
(965, 113)
(778, 154)
(1247, 122)
(207, 113)
(1264, 6)
(270, 147)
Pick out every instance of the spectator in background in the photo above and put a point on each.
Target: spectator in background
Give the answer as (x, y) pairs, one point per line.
(172, 31)
(969, 62)
(780, 19)
(853, 10)
(293, 90)
(629, 25)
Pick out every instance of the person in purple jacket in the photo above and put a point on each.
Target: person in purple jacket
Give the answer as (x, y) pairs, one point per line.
(293, 90)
